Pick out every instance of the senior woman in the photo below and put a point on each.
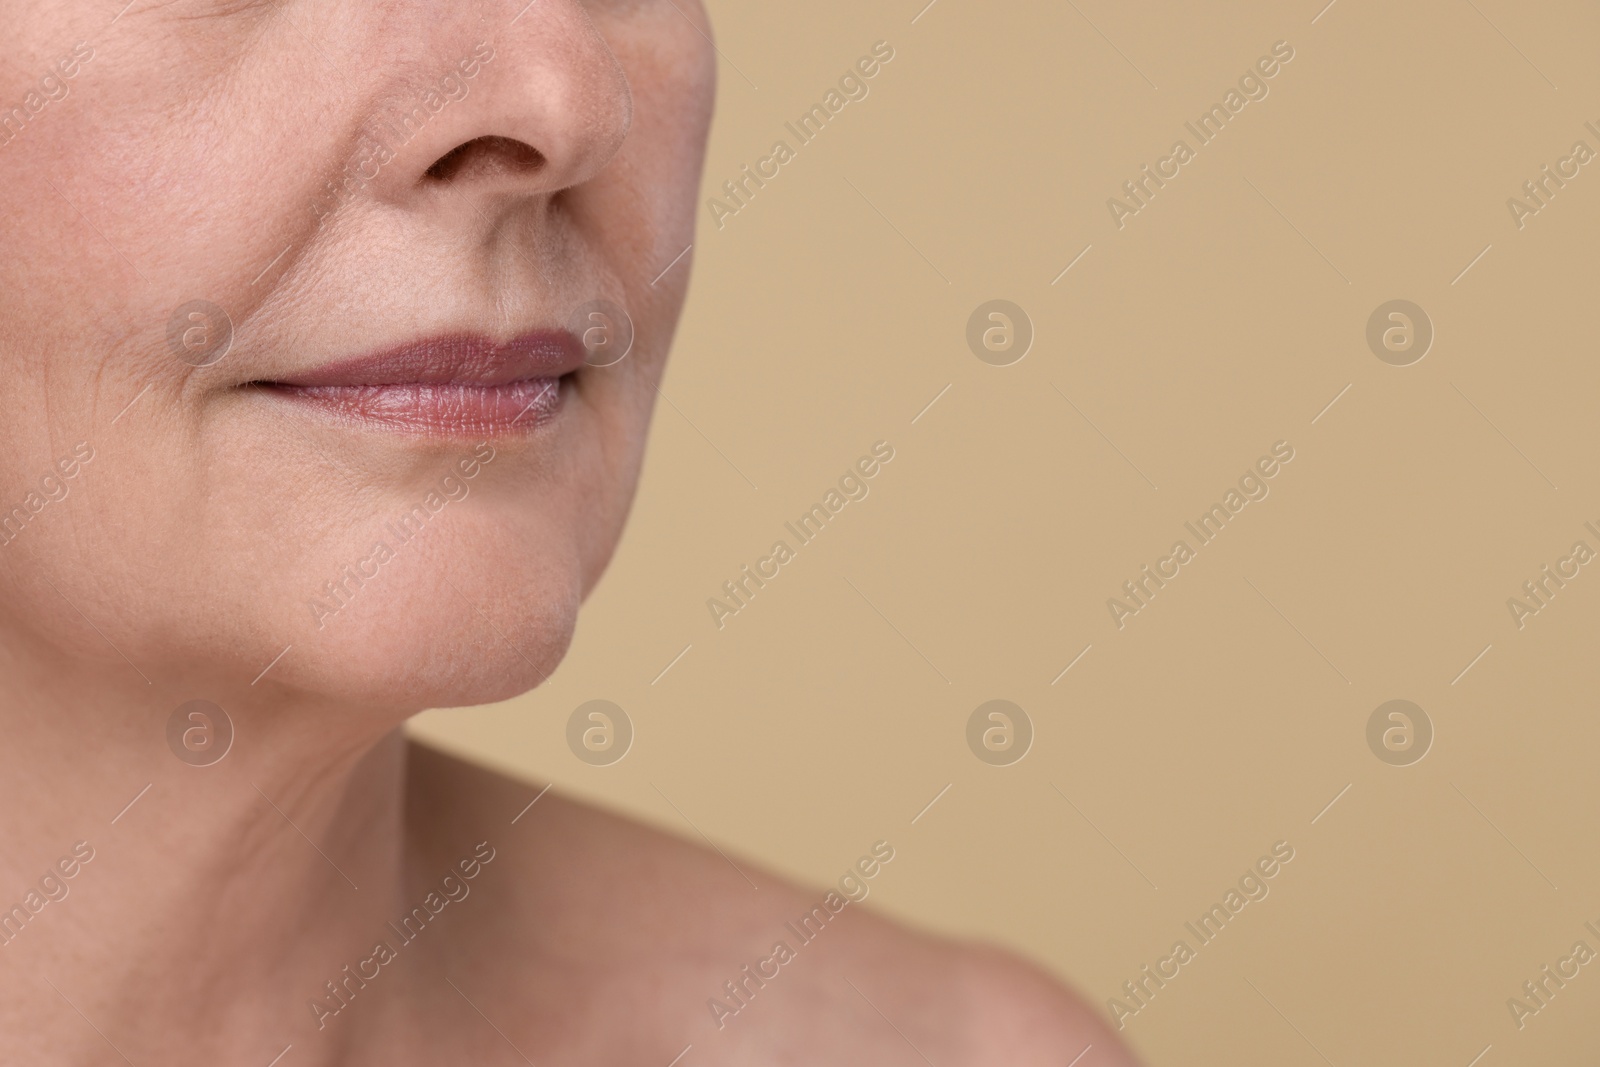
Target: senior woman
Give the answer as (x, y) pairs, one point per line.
(331, 333)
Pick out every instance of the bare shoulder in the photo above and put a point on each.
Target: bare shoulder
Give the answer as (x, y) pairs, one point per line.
(588, 917)
(1021, 1015)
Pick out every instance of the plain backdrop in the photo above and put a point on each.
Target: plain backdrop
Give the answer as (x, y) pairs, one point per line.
(1224, 316)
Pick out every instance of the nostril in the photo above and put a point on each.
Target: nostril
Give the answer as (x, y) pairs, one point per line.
(486, 157)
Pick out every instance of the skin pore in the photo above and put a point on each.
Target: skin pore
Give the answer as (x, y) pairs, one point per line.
(324, 181)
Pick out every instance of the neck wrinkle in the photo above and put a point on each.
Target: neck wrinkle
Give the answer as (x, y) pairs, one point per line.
(219, 900)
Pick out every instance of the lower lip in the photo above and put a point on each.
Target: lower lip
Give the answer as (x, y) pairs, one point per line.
(438, 409)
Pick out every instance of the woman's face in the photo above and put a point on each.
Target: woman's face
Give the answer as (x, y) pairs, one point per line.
(285, 293)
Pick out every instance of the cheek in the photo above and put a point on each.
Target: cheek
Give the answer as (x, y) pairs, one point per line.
(672, 73)
(599, 474)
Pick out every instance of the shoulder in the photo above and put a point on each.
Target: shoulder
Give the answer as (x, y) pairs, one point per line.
(700, 948)
(1020, 1015)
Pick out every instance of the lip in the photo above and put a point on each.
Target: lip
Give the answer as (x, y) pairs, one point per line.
(455, 385)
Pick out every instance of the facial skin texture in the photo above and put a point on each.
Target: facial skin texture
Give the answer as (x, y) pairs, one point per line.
(194, 143)
(187, 156)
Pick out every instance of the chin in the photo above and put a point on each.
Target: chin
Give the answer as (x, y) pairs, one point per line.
(474, 615)
(435, 652)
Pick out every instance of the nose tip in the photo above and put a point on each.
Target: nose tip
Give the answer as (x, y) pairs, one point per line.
(542, 107)
(585, 107)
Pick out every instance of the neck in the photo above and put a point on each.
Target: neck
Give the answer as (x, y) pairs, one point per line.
(143, 897)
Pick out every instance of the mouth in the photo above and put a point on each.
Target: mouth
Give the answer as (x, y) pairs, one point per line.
(463, 385)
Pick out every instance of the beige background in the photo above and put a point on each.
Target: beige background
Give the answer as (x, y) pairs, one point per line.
(824, 317)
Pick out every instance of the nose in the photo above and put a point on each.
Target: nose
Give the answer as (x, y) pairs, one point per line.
(531, 108)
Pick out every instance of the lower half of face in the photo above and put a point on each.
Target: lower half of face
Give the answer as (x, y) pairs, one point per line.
(362, 399)
(410, 550)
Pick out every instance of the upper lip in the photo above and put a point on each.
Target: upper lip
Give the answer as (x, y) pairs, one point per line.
(455, 359)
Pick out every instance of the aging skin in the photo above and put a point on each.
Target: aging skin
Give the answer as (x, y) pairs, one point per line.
(398, 206)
